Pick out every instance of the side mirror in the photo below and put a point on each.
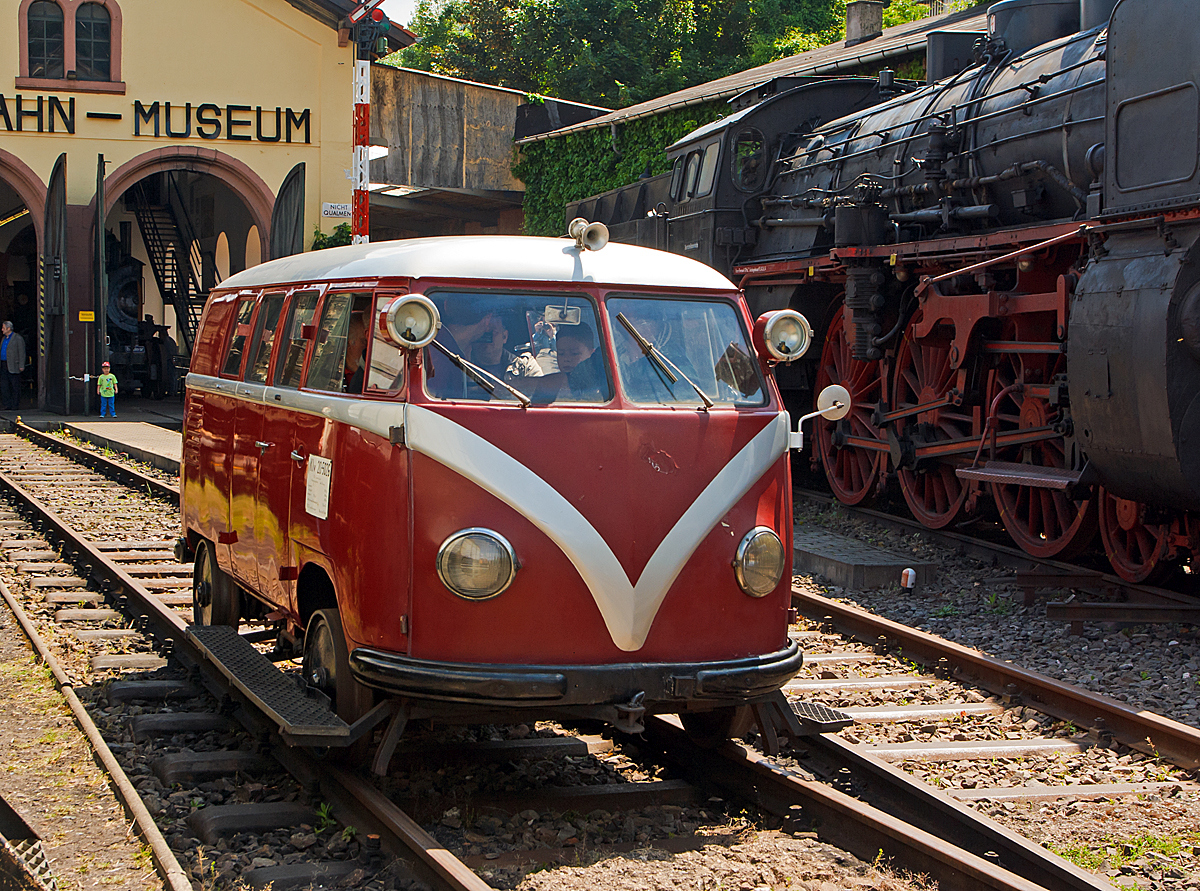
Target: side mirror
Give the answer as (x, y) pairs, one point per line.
(833, 403)
(410, 321)
(782, 335)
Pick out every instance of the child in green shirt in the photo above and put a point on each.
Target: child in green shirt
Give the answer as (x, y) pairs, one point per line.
(106, 386)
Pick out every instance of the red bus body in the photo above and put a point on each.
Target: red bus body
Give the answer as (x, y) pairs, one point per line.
(625, 517)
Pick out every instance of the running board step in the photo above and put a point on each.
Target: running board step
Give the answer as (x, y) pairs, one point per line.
(1021, 475)
(302, 719)
(816, 718)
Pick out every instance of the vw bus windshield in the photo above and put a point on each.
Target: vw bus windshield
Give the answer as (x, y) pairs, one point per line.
(667, 350)
(542, 345)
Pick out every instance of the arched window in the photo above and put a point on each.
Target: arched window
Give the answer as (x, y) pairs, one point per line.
(70, 46)
(46, 45)
(93, 42)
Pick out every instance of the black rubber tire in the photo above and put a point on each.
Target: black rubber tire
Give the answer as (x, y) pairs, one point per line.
(327, 667)
(709, 729)
(216, 597)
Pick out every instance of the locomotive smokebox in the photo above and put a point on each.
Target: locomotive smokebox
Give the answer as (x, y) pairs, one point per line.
(1024, 24)
(1135, 375)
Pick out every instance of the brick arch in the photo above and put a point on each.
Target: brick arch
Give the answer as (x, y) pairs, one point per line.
(28, 186)
(245, 183)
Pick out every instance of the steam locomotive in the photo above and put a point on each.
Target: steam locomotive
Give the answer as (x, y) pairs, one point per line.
(1002, 265)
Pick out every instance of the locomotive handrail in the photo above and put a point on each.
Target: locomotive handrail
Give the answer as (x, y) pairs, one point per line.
(1083, 229)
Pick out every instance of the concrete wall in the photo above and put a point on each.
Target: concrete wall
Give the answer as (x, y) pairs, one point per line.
(442, 133)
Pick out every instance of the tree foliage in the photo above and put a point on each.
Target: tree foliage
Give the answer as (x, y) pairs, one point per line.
(589, 162)
(616, 53)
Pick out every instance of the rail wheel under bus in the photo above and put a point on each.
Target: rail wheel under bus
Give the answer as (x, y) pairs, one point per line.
(926, 376)
(216, 597)
(1138, 549)
(326, 666)
(852, 470)
(1044, 522)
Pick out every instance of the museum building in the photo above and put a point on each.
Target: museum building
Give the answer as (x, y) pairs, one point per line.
(149, 150)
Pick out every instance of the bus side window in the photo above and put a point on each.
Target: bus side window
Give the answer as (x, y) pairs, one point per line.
(386, 368)
(291, 361)
(329, 356)
(264, 338)
(241, 331)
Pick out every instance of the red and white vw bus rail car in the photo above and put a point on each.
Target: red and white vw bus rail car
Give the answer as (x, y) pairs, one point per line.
(498, 478)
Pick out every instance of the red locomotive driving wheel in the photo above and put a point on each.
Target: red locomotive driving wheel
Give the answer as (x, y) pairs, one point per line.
(852, 471)
(1043, 522)
(925, 375)
(1136, 549)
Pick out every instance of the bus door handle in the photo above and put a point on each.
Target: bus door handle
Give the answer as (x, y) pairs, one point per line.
(263, 446)
(297, 457)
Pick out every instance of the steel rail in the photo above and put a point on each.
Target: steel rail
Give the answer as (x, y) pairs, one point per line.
(121, 473)
(846, 822)
(1141, 730)
(359, 802)
(165, 861)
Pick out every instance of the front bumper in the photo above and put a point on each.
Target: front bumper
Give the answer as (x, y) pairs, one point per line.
(528, 686)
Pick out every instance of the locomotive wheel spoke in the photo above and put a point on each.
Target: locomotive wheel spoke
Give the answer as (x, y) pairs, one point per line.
(852, 473)
(1137, 550)
(924, 373)
(1043, 522)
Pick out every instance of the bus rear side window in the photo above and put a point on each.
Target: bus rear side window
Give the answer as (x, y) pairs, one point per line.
(291, 363)
(241, 332)
(264, 338)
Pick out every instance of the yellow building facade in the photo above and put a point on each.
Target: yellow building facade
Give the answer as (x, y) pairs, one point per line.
(144, 149)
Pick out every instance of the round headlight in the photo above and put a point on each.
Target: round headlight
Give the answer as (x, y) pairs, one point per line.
(411, 321)
(786, 334)
(759, 562)
(476, 563)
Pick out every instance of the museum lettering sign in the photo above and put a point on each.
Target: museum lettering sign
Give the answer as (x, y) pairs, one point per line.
(159, 120)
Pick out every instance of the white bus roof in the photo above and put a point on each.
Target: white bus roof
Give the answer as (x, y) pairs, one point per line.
(498, 257)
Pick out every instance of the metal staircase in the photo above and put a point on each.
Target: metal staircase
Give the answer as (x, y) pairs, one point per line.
(174, 252)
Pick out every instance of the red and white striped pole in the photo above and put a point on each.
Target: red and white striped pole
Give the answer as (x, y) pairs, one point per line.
(360, 208)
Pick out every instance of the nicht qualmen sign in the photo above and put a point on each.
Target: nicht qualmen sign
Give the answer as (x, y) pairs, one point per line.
(206, 120)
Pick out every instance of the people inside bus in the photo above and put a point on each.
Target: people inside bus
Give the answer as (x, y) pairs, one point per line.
(643, 378)
(580, 363)
(356, 345)
(491, 354)
(465, 319)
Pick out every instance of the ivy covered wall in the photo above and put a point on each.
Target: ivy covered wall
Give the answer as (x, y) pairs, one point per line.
(579, 165)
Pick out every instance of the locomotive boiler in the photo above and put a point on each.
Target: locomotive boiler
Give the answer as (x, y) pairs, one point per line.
(1002, 265)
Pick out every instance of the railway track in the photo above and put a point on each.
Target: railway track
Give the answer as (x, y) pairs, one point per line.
(174, 696)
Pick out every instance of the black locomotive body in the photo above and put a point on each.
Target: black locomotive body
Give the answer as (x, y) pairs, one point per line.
(1003, 268)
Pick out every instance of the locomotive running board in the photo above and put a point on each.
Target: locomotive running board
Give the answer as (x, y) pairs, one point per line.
(302, 719)
(1022, 475)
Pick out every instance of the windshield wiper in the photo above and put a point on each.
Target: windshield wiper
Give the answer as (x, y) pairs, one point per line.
(661, 363)
(481, 376)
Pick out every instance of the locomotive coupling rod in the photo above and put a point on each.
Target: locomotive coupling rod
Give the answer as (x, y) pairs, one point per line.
(1070, 236)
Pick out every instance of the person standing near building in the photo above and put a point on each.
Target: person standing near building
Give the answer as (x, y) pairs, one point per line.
(12, 363)
(106, 386)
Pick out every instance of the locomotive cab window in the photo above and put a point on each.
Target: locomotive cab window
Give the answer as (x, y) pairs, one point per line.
(708, 169)
(544, 346)
(242, 330)
(749, 160)
(696, 344)
(677, 178)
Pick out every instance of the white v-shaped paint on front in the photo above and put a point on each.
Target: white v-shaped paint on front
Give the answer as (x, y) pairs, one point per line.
(628, 609)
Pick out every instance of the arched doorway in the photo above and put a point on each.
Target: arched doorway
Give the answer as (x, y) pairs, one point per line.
(164, 229)
(22, 209)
